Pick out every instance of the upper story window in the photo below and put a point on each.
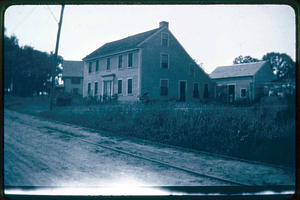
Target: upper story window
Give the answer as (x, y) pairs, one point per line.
(196, 90)
(192, 70)
(120, 65)
(165, 39)
(164, 61)
(75, 81)
(90, 67)
(164, 87)
(130, 59)
(129, 86)
(97, 66)
(108, 64)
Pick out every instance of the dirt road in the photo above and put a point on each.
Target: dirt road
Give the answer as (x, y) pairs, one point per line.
(36, 153)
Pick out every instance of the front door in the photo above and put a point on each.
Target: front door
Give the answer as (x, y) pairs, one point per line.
(182, 92)
(231, 93)
(107, 90)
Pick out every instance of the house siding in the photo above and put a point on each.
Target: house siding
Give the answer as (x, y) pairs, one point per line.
(69, 86)
(264, 74)
(179, 62)
(239, 82)
(123, 74)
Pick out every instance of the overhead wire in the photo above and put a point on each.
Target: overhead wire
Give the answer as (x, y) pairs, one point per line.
(23, 19)
(52, 13)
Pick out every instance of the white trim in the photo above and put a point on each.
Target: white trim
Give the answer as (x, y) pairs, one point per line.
(161, 60)
(185, 89)
(234, 90)
(151, 36)
(120, 79)
(119, 62)
(140, 73)
(128, 60)
(162, 39)
(164, 79)
(110, 55)
(241, 92)
(131, 86)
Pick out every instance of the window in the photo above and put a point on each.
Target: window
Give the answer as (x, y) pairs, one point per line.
(205, 92)
(90, 67)
(96, 88)
(108, 64)
(75, 81)
(75, 90)
(97, 65)
(243, 93)
(130, 56)
(192, 70)
(164, 84)
(129, 86)
(165, 40)
(196, 90)
(120, 62)
(164, 61)
(89, 88)
(120, 86)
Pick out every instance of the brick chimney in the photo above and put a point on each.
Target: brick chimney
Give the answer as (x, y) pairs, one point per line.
(164, 24)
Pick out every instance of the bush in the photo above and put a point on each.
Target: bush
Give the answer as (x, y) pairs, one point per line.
(64, 99)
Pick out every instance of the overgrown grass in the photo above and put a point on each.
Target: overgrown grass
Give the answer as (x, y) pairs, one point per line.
(262, 132)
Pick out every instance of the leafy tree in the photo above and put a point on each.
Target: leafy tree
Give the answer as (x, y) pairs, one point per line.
(245, 59)
(282, 65)
(27, 69)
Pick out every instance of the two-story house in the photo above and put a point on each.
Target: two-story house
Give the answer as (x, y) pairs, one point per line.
(153, 62)
(73, 76)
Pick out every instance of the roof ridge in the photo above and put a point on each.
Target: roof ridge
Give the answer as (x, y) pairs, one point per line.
(243, 64)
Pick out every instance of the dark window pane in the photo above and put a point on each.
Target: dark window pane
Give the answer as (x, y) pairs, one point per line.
(108, 64)
(75, 81)
(129, 86)
(97, 65)
(164, 87)
(196, 90)
(130, 60)
(119, 86)
(89, 88)
(120, 62)
(90, 67)
(96, 88)
(206, 93)
(164, 60)
(243, 92)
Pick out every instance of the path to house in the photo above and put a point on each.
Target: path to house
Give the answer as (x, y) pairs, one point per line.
(36, 153)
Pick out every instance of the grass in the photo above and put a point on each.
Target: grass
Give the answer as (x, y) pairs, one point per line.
(259, 133)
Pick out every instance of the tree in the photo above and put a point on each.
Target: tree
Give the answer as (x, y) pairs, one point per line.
(282, 65)
(27, 69)
(246, 59)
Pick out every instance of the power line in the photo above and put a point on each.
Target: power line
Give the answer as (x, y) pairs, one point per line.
(24, 18)
(52, 13)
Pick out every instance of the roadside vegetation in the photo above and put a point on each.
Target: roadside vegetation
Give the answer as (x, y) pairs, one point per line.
(264, 131)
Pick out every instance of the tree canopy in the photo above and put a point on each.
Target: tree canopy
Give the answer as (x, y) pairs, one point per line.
(245, 59)
(27, 69)
(282, 65)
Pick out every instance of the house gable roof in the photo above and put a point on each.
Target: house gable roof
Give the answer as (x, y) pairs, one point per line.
(72, 68)
(237, 70)
(123, 44)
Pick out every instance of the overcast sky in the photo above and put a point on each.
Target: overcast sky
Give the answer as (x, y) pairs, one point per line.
(213, 35)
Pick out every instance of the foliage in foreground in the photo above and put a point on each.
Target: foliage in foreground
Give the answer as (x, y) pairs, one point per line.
(259, 132)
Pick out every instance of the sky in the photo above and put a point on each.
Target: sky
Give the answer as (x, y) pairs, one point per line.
(212, 34)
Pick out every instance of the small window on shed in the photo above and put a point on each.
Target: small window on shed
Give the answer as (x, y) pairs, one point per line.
(243, 93)
(75, 81)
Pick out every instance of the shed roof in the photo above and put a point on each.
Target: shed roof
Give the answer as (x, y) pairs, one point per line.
(72, 68)
(122, 45)
(237, 70)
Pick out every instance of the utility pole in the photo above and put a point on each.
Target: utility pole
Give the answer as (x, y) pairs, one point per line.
(55, 57)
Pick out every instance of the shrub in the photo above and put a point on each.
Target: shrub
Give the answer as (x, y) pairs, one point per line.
(64, 99)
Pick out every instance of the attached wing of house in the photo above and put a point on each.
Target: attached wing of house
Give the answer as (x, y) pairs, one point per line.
(73, 76)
